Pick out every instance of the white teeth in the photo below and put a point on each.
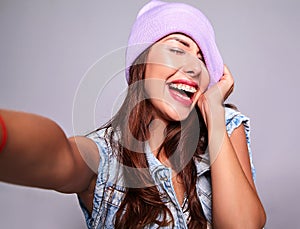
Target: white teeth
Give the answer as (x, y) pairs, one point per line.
(184, 87)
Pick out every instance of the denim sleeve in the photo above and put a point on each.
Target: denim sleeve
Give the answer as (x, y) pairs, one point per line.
(233, 120)
(93, 218)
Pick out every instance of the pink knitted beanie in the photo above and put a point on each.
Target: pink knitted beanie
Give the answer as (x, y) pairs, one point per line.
(158, 19)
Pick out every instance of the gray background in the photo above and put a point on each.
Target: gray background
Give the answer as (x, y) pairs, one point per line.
(46, 47)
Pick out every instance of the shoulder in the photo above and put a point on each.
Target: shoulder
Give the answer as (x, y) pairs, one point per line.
(101, 138)
(238, 123)
(234, 119)
(107, 151)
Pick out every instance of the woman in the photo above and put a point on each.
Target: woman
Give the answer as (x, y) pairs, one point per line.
(173, 156)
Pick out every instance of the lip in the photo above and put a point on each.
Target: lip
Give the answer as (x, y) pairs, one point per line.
(176, 96)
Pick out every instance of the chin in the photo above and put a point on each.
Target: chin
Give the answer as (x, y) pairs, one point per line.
(178, 114)
(170, 112)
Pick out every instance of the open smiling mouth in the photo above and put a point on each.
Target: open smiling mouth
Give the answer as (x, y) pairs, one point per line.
(182, 92)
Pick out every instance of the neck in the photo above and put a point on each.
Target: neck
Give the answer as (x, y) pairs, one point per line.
(157, 135)
(157, 130)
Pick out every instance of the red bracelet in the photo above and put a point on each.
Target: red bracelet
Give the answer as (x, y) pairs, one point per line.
(4, 134)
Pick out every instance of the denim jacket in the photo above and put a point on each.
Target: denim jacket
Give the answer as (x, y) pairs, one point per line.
(109, 194)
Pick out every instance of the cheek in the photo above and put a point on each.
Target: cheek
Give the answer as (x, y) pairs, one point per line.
(160, 65)
(154, 88)
(159, 71)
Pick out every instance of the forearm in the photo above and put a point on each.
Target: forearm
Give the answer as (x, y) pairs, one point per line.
(235, 201)
(34, 147)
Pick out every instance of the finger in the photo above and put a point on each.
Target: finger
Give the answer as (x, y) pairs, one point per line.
(227, 74)
(228, 92)
(226, 83)
(226, 70)
(230, 81)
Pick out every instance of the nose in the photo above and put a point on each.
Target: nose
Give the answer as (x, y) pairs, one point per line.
(192, 66)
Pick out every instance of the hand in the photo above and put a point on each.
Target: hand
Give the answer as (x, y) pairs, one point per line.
(226, 83)
(213, 99)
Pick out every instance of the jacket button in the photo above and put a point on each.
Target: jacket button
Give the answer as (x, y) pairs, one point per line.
(163, 178)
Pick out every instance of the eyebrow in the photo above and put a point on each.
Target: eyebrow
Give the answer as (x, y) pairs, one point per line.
(185, 43)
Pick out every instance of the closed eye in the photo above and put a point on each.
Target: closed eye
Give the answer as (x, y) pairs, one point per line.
(177, 51)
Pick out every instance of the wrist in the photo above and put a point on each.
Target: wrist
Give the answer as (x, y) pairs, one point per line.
(213, 115)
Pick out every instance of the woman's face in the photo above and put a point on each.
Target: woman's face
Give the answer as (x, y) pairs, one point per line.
(175, 74)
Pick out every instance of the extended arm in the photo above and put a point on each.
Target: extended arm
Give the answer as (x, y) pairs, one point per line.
(38, 154)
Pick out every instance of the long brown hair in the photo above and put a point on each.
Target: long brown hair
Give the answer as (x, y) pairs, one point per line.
(143, 206)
